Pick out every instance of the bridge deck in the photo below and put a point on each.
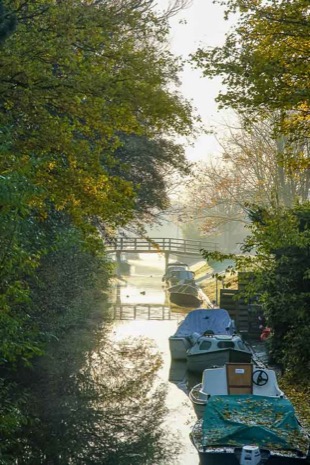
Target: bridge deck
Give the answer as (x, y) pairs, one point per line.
(160, 245)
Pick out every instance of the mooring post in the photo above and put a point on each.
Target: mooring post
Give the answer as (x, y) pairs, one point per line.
(166, 260)
(118, 294)
(118, 263)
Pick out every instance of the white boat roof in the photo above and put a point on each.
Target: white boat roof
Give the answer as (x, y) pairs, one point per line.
(201, 320)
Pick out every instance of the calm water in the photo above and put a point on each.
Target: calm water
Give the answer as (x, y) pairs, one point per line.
(144, 288)
(146, 279)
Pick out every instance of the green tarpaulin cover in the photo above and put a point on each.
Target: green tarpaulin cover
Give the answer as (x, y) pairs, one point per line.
(240, 420)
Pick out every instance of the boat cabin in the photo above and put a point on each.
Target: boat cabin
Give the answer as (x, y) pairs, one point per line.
(213, 342)
(173, 268)
(180, 277)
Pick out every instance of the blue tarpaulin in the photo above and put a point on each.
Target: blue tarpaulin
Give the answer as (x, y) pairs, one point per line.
(238, 420)
(201, 320)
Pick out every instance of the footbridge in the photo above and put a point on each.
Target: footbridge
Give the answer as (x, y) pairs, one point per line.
(162, 245)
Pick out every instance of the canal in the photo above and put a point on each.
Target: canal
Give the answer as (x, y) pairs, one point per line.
(142, 292)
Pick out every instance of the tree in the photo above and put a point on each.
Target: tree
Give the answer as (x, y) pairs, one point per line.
(254, 168)
(150, 165)
(264, 62)
(279, 245)
(96, 72)
(73, 76)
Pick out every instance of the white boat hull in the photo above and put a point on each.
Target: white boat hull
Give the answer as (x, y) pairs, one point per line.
(198, 404)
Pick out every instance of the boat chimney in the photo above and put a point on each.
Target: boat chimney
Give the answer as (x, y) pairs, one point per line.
(250, 455)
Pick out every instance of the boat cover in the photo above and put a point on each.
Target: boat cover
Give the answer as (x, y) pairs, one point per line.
(238, 420)
(201, 320)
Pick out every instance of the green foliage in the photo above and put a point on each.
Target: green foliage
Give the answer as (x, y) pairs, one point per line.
(12, 417)
(18, 259)
(280, 247)
(264, 61)
(66, 279)
(149, 164)
(35, 273)
(73, 77)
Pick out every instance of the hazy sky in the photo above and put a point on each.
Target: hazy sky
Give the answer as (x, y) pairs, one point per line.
(204, 25)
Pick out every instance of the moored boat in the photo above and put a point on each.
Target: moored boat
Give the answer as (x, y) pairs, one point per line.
(188, 295)
(231, 379)
(250, 430)
(173, 268)
(199, 321)
(216, 350)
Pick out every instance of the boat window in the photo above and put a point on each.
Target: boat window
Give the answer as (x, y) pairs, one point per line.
(181, 274)
(225, 344)
(241, 345)
(205, 345)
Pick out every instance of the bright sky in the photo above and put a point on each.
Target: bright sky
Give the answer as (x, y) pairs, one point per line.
(200, 24)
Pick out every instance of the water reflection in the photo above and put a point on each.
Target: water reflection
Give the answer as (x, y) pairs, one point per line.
(98, 399)
(181, 377)
(142, 310)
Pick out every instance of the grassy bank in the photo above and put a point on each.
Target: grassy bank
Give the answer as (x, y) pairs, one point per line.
(209, 285)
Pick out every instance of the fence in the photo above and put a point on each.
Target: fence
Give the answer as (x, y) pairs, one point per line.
(240, 310)
(144, 312)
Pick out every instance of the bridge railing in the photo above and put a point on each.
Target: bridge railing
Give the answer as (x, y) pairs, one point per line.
(161, 244)
(144, 312)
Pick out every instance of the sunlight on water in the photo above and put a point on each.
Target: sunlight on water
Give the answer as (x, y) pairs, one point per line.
(130, 294)
(144, 287)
